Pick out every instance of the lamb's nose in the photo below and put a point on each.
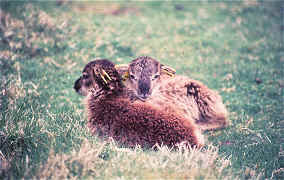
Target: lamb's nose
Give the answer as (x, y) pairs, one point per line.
(144, 96)
(144, 89)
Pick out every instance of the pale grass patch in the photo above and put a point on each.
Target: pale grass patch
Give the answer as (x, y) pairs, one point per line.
(22, 36)
(16, 88)
(277, 172)
(203, 13)
(68, 65)
(106, 160)
(248, 3)
(105, 8)
(59, 166)
(4, 164)
(46, 20)
(8, 55)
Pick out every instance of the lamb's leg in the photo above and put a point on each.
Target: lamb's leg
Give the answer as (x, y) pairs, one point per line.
(212, 110)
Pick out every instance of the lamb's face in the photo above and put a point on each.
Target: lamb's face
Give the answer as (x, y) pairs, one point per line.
(95, 76)
(144, 74)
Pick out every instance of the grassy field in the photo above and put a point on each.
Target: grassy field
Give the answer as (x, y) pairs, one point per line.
(235, 48)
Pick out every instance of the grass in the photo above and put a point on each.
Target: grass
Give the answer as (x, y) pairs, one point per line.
(233, 47)
(106, 160)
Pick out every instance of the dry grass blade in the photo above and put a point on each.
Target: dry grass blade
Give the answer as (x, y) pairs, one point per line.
(109, 160)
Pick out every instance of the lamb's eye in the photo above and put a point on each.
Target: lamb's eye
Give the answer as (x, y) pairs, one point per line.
(85, 76)
(156, 76)
(132, 77)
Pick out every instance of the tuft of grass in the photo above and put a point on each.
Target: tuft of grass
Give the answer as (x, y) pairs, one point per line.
(106, 159)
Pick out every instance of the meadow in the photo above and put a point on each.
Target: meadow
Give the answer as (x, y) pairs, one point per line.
(235, 48)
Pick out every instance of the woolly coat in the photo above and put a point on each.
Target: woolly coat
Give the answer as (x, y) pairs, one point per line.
(132, 123)
(193, 99)
(114, 114)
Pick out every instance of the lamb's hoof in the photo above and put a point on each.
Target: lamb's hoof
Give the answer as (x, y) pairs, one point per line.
(192, 89)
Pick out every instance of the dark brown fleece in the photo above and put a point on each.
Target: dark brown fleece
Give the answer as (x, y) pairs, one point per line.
(132, 123)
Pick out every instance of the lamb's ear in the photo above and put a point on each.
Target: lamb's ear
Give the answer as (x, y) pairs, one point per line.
(122, 70)
(168, 70)
(105, 76)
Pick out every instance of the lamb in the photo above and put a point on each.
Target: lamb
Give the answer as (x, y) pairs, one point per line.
(112, 112)
(149, 82)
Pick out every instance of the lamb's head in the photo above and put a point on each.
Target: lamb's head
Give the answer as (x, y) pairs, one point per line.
(144, 73)
(98, 74)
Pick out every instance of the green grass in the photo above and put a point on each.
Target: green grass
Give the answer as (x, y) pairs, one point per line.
(233, 47)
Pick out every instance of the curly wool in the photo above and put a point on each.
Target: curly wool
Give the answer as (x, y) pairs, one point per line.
(132, 123)
(197, 102)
